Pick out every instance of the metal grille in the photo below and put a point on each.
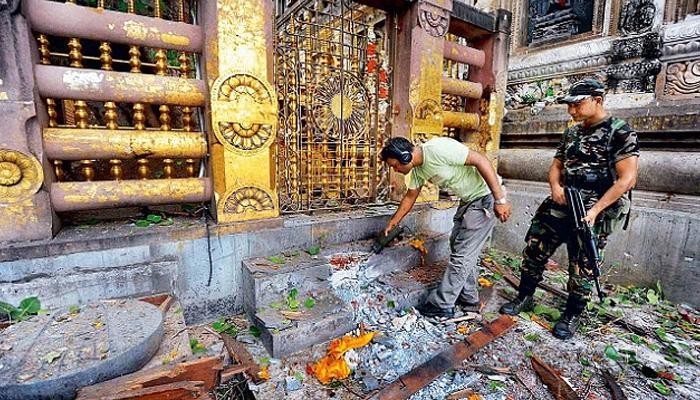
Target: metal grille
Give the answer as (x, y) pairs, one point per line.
(332, 80)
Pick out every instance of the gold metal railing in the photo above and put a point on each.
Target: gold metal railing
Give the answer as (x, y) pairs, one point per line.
(123, 105)
(332, 74)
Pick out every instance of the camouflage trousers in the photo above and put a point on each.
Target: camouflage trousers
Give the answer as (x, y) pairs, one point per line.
(551, 227)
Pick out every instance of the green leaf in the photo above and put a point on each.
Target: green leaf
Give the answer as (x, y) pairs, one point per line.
(275, 306)
(611, 353)
(294, 253)
(497, 276)
(276, 259)
(586, 373)
(299, 376)
(532, 337)
(167, 222)
(197, 347)
(51, 356)
(661, 333)
(636, 339)
(391, 304)
(264, 360)
(293, 304)
(7, 309)
(293, 293)
(584, 361)
(220, 325)
(309, 302)
(255, 331)
(528, 354)
(661, 388)
(142, 223)
(652, 298)
(74, 309)
(314, 250)
(27, 307)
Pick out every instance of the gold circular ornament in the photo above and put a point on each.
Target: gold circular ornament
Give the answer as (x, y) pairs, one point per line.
(244, 113)
(248, 198)
(21, 176)
(340, 106)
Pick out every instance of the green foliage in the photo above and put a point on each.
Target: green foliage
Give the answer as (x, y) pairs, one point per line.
(309, 302)
(496, 385)
(314, 250)
(661, 388)
(223, 326)
(197, 347)
(291, 300)
(584, 361)
(154, 219)
(74, 309)
(299, 376)
(550, 312)
(254, 330)
(391, 304)
(27, 307)
(532, 337)
(276, 259)
(652, 298)
(611, 353)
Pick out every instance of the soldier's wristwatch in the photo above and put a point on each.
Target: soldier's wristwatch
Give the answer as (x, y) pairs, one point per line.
(501, 201)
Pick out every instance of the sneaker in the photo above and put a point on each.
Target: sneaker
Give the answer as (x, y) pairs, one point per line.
(517, 306)
(566, 327)
(428, 309)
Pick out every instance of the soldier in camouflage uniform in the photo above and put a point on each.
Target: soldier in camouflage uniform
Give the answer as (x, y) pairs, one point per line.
(599, 157)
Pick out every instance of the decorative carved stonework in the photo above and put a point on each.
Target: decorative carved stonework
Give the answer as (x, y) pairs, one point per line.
(637, 16)
(556, 20)
(21, 176)
(646, 46)
(683, 79)
(633, 77)
(434, 20)
(246, 199)
(242, 103)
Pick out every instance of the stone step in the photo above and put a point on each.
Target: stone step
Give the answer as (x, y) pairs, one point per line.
(284, 332)
(265, 278)
(413, 285)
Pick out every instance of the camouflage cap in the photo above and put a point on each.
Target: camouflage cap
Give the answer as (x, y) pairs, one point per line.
(582, 89)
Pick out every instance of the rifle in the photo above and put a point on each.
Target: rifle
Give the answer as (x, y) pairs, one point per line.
(587, 241)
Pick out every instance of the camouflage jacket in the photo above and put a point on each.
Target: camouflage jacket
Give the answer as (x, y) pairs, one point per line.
(596, 149)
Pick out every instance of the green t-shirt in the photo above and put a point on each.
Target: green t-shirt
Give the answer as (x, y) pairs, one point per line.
(443, 165)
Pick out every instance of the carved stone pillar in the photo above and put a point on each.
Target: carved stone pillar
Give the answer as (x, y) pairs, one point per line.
(418, 78)
(243, 106)
(680, 62)
(25, 212)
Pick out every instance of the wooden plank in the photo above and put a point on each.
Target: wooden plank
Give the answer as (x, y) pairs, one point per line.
(559, 388)
(450, 358)
(239, 353)
(186, 390)
(205, 370)
(229, 373)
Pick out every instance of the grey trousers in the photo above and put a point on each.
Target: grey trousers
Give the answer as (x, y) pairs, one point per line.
(473, 223)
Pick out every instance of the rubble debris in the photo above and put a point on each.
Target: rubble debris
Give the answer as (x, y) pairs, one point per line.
(561, 390)
(333, 366)
(203, 370)
(238, 352)
(421, 376)
(615, 389)
(463, 394)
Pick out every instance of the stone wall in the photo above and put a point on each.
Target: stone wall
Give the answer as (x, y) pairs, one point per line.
(650, 61)
(201, 266)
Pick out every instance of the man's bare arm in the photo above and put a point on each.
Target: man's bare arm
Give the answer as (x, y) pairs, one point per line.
(407, 202)
(487, 172)
(555, 172)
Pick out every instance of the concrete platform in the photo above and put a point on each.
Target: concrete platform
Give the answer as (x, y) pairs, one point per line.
(284, 333)
(50, 356)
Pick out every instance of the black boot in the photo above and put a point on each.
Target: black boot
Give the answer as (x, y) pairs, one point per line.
(524, 301)
(571, 320)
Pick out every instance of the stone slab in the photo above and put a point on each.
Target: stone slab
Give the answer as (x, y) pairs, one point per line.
(284, 334)
(50, 356)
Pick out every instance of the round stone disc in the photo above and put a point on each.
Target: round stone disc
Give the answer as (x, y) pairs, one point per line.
(51, 356)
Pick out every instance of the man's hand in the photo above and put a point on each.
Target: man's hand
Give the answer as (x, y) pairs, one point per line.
(391, 225)
(591, 216)
(503, 211)
(558, 195)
